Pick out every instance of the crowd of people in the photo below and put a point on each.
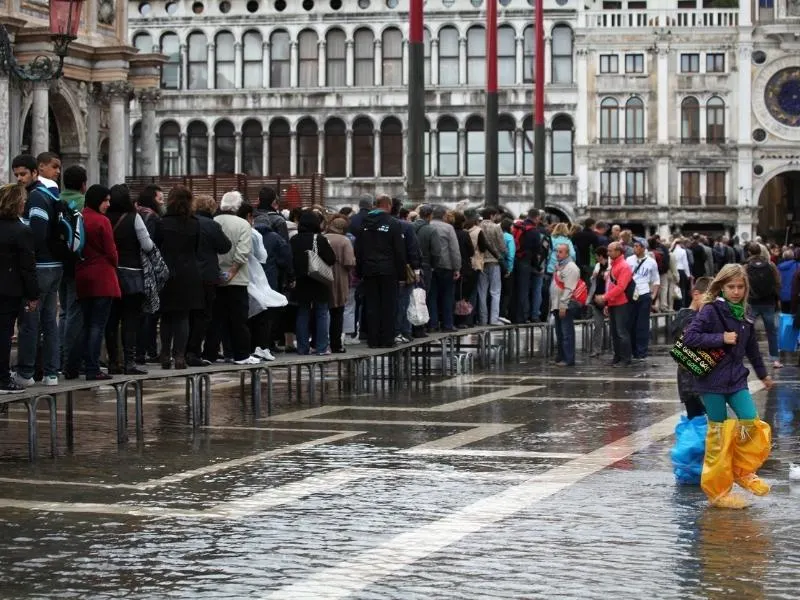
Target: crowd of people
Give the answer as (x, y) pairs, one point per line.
(184, 280)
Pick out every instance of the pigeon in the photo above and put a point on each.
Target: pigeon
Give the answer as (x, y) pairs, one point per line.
(794, 472)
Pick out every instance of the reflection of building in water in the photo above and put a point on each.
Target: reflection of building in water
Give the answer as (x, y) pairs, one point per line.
(669, 113)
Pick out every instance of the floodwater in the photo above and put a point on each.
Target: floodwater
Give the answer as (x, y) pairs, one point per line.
(524, 482)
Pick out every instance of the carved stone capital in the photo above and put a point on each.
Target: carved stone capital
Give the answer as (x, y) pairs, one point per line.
(149, 96)
(117, 90)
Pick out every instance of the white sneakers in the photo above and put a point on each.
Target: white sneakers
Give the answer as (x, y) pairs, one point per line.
(250, 360)
(263, 353)
(50, 380)
(22, 381)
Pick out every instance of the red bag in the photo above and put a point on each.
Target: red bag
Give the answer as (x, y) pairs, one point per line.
(580, 294)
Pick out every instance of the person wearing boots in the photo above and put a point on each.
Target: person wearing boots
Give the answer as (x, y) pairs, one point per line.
(735, 448)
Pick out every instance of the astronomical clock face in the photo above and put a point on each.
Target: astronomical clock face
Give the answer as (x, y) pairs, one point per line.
(782, 96)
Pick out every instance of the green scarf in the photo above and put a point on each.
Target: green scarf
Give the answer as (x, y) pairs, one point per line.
(737, 310)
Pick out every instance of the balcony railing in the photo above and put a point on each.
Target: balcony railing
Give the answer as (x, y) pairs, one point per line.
(614, 201)
(690, 140)
(697, 200)
(716, 200)
(673, 18)
(691, 201)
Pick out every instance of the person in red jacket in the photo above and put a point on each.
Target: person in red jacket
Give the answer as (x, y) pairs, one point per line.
(616, 304)
(96, 283)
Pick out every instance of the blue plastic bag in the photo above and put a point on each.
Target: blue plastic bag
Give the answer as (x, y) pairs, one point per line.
(787, 334)
(689, 450)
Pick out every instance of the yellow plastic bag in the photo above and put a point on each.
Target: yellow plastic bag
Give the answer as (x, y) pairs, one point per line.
(750, 450)
(717, 477)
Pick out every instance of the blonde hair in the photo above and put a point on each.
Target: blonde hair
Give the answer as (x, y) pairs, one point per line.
(12, 200)
(726, 274)
(205, 203)
(560, 229)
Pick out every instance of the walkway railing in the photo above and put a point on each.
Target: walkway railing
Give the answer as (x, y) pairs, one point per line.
(359, 370)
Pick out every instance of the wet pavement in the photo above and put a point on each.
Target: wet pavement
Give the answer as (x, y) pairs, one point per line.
(525, 482)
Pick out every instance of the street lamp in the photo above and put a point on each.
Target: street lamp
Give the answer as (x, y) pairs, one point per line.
(65, 20)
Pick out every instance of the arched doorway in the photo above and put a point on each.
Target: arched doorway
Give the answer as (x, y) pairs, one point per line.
(779, 208)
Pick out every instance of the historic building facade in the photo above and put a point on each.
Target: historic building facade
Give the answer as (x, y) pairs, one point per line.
(660, 114)
(83, 116)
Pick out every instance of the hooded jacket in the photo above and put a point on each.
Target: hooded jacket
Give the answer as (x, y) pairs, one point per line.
(380, 248)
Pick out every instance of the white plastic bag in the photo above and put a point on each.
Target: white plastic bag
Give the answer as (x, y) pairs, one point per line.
(417, 308)
(262, 296)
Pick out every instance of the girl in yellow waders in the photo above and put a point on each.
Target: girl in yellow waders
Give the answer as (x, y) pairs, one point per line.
(735, 448)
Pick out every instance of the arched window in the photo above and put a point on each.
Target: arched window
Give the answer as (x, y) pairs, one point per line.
(562, 54)
(506, 151)
(528, 55)
(476, 146)
(690, 120)
(336, 66)
(363, 148)
(391, 148)
(335, 148)
(136, 149)
(448, 147)
(448, 56)
(307, 147)
(609, 121)
(169, 136)
(715, 121)
(476, 55)
(634, 121)
(279, 148)
(426, 42)
(171, 70)
(562, 146)
(224, 148)
(198, 148)
(252, 147)
(364, 57)
(308, 59)
(252, 60)
(506, 56)
(280, 60)
(226, 60)
(527, 145)
(392, 57)
(198, 61)
(143, 42)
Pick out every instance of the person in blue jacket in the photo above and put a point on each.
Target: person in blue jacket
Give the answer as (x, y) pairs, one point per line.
(735, 448)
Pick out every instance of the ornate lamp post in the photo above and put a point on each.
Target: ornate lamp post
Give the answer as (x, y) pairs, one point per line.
(65, 20)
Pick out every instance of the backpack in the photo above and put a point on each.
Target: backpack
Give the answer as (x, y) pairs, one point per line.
(67, 233)
(762, 281)
(518, 230)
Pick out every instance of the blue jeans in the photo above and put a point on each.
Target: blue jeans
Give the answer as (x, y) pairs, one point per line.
(620, 333)
(565, 334)
(70, 323)
(321, 316)
(442, 298)
(767, 314)
(640, 325)
(489, 288)
(401, 322)
(537, 285)
(523, 278)
(95, 319)
(42, 320)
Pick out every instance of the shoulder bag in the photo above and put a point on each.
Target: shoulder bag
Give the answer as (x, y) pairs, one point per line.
(700, 362)
(318, 269)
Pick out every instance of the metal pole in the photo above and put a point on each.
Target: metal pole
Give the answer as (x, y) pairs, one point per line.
(415, 163)
(538, 120)
(492, 184)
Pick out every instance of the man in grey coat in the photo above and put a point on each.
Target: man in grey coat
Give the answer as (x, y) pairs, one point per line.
(441, 296)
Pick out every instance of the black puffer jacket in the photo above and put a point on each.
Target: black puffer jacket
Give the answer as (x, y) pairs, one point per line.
(213, 241)
(380, 249)
(17, 260)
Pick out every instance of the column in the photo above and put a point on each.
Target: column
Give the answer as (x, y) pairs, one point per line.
(405, 151)
(237, 156)
(92, 133)
(321, 151)
(5, 129)
(14, 120)
(520, 60)
(349, 62)
(434, 62)
(462, 152)
(548, 59)
(662, 181)
(184, 84)
(583, 180)
(349, 153)
(582, 116)
(663, 92)
(118, 93)
(265, 153)
(462, 60)
(378, 62)
(148, 99)
(406, 65)
(293, 64)
(210, 166)
(703, 123)
(519, 154)
(745, 126)
(434, 157)
(183, 161)
(323, 62)
(376, 154)
(237, 62)
(265, 64)
(293, 153)
(40, 118)
(211, 65)
(548, 146)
